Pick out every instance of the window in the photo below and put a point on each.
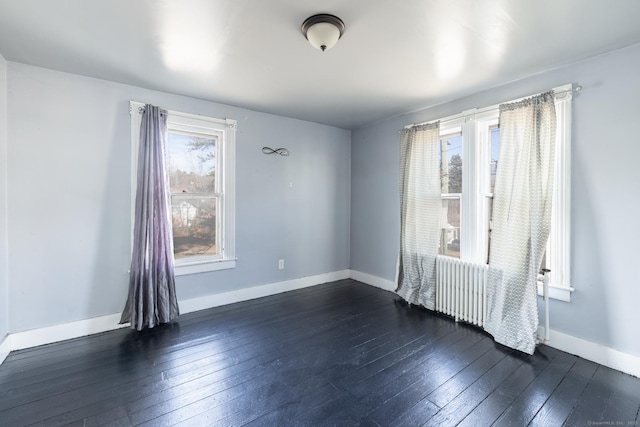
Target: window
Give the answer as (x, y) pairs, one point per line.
(469, 147)
(200, 158)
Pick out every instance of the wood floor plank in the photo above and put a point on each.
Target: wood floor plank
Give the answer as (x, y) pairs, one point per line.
(462, 380)
(98, 342)
(378, 390)
(412, 387)
(420, 360)
(287, 365)
(503, 397)
(291, 361)
(609, 396)
(527, 404)
(557, 408)
(293, 410)
(369, 340)
(460, 406)
(357, 384)
(194, 371)
(342, 353)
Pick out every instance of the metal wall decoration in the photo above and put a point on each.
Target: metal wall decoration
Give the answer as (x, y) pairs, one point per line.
(280, 151)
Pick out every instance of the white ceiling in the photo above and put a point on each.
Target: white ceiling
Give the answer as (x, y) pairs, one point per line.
(395, 56)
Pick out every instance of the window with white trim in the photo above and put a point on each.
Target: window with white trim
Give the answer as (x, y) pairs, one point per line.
(200, 156)
(469, 146)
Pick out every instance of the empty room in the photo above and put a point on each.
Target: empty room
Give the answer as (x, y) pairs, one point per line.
(337, 213)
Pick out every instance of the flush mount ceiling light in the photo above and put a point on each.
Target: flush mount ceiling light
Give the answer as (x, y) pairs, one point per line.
(323, 30)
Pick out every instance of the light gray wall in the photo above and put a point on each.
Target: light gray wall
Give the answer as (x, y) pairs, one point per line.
(69, 197)
(605, 197)
(4, 267)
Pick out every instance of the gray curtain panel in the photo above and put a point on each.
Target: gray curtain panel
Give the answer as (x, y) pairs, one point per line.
(420, 213)
(521, 219)
(152, 295)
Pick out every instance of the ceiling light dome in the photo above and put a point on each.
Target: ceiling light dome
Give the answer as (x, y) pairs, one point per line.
(323, 31)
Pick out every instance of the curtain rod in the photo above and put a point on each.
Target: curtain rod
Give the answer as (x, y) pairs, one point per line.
(557, 91)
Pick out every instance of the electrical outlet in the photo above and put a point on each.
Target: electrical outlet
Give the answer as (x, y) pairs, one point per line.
(280, 264)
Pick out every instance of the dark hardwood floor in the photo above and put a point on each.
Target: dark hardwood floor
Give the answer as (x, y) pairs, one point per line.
(340, 354)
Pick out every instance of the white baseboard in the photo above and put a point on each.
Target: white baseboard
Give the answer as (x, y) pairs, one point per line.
(216, 300)
(607, 356)
(65, 331)
(378, 282)
(5, 348)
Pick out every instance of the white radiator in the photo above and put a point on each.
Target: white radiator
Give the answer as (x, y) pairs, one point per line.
(461, 289)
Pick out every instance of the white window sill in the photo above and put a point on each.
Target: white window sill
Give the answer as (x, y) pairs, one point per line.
(561, 293)
(203, 266)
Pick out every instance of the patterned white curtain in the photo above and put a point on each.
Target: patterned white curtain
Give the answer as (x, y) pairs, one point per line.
(152, 296)
(521, 219)
(421, 206)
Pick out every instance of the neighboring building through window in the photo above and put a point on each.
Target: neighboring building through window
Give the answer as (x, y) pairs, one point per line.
(200, 156)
